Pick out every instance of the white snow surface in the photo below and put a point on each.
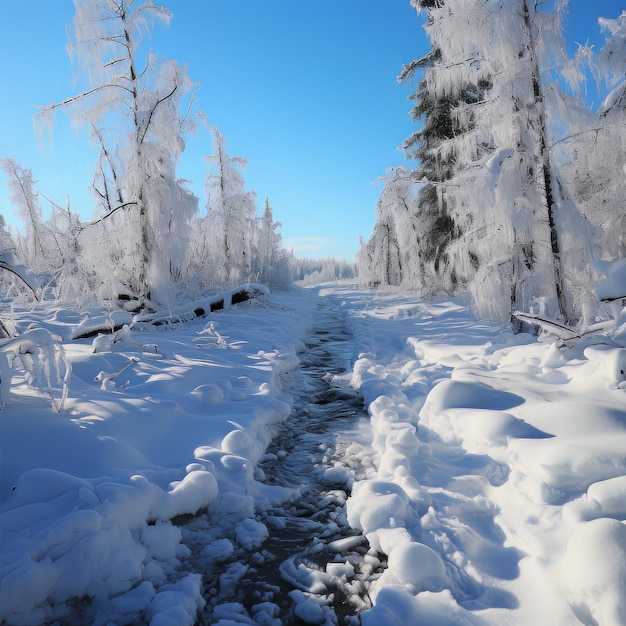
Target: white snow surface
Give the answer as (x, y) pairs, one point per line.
(498, 494)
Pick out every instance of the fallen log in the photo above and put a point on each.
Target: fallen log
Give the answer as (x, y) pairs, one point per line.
(110, 323)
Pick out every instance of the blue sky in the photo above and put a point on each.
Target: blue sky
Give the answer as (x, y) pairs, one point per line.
(306, 91)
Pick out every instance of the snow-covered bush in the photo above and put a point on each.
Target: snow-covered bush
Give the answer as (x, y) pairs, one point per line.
(44, 363)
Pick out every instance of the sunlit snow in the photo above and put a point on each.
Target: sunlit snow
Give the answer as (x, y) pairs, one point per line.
(495, 491)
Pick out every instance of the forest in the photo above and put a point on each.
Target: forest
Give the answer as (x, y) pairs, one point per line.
(519, 185)
(516, 195)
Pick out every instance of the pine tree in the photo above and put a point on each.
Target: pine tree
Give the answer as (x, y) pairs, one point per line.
(491, 213)
(270, 259)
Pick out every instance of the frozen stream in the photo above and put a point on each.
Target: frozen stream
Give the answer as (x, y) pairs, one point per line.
(311, 567)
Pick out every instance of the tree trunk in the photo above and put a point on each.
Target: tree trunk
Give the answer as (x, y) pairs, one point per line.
(142, 288)
(550, 205)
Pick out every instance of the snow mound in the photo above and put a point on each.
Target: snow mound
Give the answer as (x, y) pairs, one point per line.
(613, 286)
(597, 594)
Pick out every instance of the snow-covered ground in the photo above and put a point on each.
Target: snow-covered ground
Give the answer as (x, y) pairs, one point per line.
(156, 425)
(497, 494)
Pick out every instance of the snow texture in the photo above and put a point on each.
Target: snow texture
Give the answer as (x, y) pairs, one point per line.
(497, 495)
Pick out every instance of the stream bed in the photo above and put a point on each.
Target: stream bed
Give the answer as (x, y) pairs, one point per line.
(309, 567)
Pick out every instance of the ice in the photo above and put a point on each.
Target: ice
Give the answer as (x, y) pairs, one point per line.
(251, 533)
(345, 544)
(338, 474)
(307, 609)
(231, 614)
(266, 614)
(340, 570)
(219, 550)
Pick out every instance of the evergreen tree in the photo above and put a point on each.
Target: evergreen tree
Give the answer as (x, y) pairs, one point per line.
(270, 259)
(490, 213)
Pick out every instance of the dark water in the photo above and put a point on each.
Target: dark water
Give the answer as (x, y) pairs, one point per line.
(309, 529)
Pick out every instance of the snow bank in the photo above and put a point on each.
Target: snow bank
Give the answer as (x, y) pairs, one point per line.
(594, 571)
(87, 497)
(499, 495)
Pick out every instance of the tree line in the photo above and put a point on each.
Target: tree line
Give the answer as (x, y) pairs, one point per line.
(148, 241)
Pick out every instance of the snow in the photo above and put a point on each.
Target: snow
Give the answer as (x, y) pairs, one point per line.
(88, 495)
(500, 473)
(614, 284)
(497, 493)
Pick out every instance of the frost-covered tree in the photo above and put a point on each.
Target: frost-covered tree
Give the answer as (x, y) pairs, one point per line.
(133, 112)
(431, 212)
(9, 273)
(231, 215)
(49, 246)
(384, 258)
(270, 260)
(491, 212)
(32, 248)
(317, 271)
(595, 151)
(7, 246)
(517, 184)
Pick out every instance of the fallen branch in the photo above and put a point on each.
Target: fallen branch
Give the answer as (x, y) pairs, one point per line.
(562, 331)
(12, 270)
(200, 308)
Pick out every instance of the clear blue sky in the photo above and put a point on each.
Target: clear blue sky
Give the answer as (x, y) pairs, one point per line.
(306, 91)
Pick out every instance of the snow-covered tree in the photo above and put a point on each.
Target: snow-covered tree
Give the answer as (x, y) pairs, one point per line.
(32, 247)
(491, 213)
(382, 260)
(271, 263)
(231, 214)
(48, 247)
(317, 271)
(595, 151)
(9, 273)
(133, 112)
